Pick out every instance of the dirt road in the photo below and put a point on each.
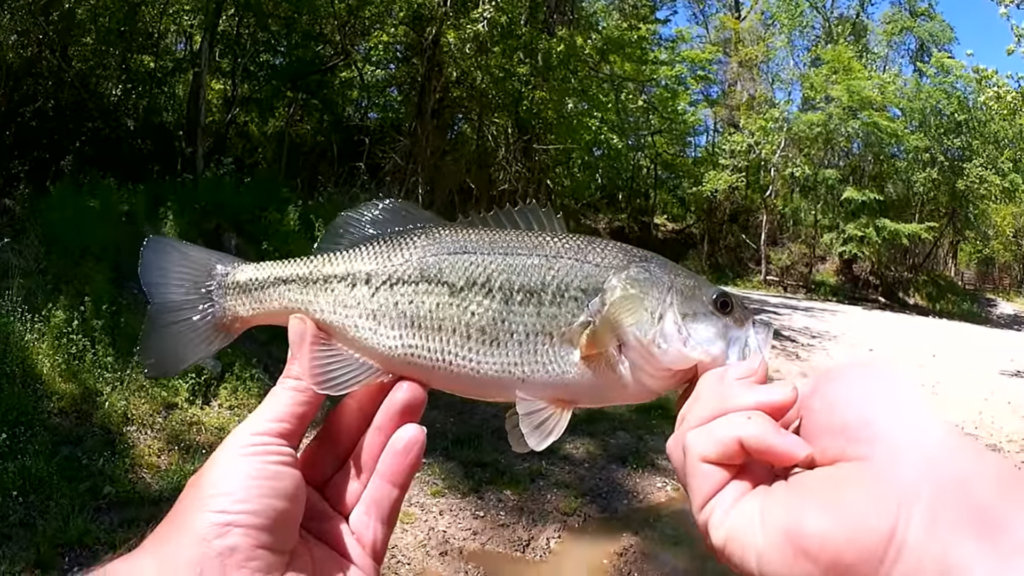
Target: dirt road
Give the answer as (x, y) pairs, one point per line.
(604, 500)
(974, 374)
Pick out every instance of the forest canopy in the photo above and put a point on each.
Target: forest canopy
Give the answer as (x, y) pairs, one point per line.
(776, 138)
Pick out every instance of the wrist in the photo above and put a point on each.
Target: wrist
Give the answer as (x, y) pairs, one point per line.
(970, 519)
(170, 548)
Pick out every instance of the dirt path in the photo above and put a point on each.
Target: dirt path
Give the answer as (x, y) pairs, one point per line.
(604, 500)
(974, 374)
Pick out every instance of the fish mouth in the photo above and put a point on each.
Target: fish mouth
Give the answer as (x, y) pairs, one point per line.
(757, 339)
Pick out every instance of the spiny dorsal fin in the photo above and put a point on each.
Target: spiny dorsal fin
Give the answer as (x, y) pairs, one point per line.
(529, 216)
(372, 219)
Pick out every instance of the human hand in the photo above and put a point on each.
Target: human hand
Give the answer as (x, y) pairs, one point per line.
(882, 485)
(258, 507)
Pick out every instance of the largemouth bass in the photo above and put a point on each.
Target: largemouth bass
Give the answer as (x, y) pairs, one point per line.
(499, 307)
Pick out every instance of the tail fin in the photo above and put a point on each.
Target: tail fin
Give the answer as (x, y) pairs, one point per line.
(183, 324)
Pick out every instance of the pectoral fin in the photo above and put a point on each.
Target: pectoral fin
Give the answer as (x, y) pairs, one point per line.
(334, 370)
(605, 331)
(534, 424)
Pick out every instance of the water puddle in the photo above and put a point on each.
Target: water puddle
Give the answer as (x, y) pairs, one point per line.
(655, 539)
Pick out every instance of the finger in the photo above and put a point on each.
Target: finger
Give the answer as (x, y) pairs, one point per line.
(404, 405)
(330, 529)
(776, 400)
(343, 428)
(291, 405)
(374, 517)
(716, 452)
(747, 374)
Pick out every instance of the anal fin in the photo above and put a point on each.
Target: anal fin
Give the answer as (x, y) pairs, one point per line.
(534, 424)
(334, 370)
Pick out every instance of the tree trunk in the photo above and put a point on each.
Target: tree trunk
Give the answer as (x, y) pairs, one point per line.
(765, 203)
(426, 135)
(196, 107)
(814, 244)
(764, 241)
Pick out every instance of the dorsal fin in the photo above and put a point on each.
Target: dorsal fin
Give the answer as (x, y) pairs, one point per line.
(529, 216)
(372, 219)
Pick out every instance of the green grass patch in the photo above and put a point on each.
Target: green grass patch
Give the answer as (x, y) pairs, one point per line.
(570, 504)
(753, 284)
(941, 294)
(1015, 298)
(406, 516)
(91, 453)
(826, 285)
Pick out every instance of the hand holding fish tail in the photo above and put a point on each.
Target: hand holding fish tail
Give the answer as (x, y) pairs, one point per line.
(257, 506)
(850, 475)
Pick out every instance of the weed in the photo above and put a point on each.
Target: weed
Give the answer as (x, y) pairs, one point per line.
(570, 504)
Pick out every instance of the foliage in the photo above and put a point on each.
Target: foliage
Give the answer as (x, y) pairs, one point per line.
(836, 146)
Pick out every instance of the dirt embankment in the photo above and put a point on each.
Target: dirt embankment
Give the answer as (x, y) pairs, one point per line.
(604, 499)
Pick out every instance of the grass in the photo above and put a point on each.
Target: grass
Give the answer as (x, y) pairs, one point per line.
(570, 504)
(91, 454)
(942, 295)
(406, 516)
(1015, 298)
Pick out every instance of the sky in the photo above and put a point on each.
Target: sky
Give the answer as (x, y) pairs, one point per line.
(979, 28)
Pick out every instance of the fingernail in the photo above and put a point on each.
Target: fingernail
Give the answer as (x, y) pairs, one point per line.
(424, 428)
(807, 463)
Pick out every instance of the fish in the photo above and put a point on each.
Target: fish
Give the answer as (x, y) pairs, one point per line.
(505, 306)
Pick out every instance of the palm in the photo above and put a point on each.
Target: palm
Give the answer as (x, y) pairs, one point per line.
(814, 523)
(331, 509)
(259, 506)
(834, 518)
(863, 426)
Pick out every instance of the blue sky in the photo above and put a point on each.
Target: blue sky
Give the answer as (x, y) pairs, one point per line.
(979, 28)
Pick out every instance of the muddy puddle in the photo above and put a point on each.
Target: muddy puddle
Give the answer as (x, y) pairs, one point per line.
(655, 539)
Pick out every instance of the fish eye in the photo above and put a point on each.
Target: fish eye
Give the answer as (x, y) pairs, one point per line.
(722, 302)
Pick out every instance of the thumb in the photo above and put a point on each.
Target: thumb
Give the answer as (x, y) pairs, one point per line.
(290, 407)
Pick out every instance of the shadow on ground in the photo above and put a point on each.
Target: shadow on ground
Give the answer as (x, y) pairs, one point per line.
(468, 444)
(791, 339)
(66, 494)
(601, 480)
(1001, 314)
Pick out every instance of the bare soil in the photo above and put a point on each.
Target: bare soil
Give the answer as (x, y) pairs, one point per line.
(604, 499)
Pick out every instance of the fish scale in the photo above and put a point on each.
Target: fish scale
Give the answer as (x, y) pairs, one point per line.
(407, 296)
(502, 307)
